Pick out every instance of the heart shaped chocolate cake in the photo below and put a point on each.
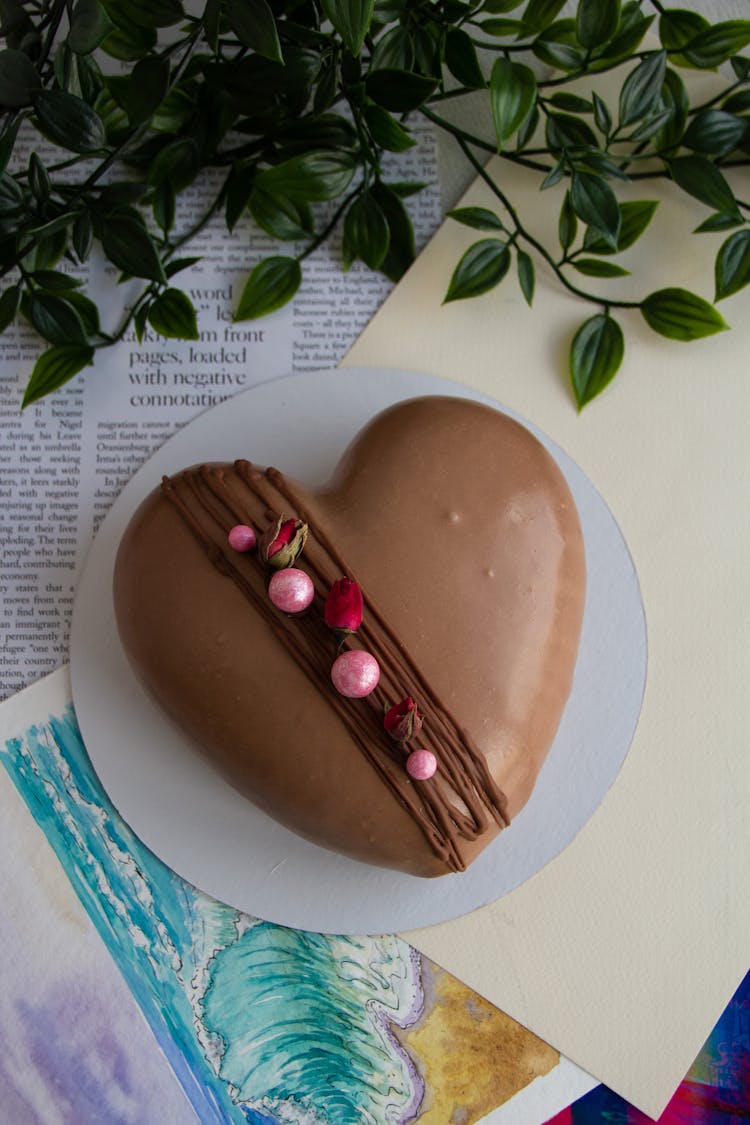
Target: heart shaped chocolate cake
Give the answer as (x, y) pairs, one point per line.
(403, 717)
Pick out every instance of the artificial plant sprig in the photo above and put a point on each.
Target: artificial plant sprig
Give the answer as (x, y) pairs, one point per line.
(297, 101)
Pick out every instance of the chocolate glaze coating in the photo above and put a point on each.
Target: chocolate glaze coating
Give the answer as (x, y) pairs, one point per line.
(462, 531)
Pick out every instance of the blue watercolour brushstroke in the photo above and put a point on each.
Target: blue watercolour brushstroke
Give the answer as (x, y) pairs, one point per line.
(261, 1024)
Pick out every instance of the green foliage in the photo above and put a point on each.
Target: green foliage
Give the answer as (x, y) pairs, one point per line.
(595, 357)
(296, 105)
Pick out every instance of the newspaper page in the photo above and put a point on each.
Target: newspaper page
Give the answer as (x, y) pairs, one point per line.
(64, 459)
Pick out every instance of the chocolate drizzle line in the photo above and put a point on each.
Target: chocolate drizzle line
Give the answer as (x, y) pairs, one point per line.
(453, 805)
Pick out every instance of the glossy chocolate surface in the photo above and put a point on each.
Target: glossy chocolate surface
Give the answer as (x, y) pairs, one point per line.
(465, 539)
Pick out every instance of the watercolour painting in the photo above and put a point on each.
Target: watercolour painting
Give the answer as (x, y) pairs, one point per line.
(259, 1023)
(255, 1023)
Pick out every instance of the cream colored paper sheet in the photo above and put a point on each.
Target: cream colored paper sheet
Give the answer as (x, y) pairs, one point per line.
(624, 950)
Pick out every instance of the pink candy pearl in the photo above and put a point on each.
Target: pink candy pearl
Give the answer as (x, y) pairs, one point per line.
(355, 674)
(242, 538)
(421, 764)
(291, 590)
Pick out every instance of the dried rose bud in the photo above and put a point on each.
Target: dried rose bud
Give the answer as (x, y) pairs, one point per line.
(343, 608)
(282, 543)
(403, 720)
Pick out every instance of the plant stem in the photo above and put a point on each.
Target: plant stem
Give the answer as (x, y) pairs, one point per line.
(116, 152)
(461, 134)
(152, 288)
(329, 227)
(606, 302)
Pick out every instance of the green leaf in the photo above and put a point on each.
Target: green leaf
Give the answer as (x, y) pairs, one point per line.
(155, 13)
(462, 60)
(595, 204)
(526, 275)
(11, 195)
(253, 22)
(564, 132)
(597, 21)
(272, 283)
(172, 314)
(501, 5)
(366, 233)
(351, 18)
(18, 79)
(732, 268)
(741, 67)
(393, 51)
(635, 217)
(406, 188)
(641, 90)
(722, 220)
(86, 309)
(129, 41)
(54, 368)
(386, 131)
(700, 178)
(147, 88)
(571, 103)
(715, 132)
(314, 176)
(55, 281)
(716, 44)
(55, 319)
(128, 245)
(595, 267)
(503, 28)
(8, 141)
(539, 14)
(674, 96)
(39, 180)
(624, 44)
(602, 116)
(89, 27)
(594, 160)
(9, 303)
(69, 121)
(281, 217)
(177, 163)
(528, 129)
(681, 315)
(177, 265)
(163, 206)
(650, 125)
(82, 235)
(595, 357)
(48, 250)
(481, 268)
(738, 103)
(239, 189)
(567, 226)
(140, 321)
(513, 94)
(399, 90)
(401, 244)
(558, 46)
(479, 218)
(677, 27)
(554, 175)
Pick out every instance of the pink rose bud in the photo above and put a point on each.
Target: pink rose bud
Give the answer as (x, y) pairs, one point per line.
(282, 543)
(343, 608)
(403, 720)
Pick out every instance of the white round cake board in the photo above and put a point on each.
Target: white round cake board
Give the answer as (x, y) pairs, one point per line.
(210, 835)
